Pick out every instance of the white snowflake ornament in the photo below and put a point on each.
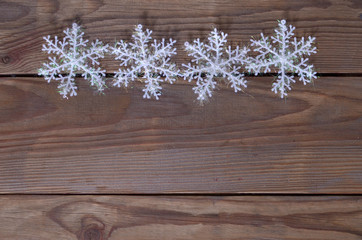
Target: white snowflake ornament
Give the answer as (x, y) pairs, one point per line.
(73, 56)
(214, 60)
(147, 61)
(285, 54)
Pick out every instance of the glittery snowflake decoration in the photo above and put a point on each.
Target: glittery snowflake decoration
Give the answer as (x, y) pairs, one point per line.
(146, 61)
(73, 56)
(214, 61)
(285, 54)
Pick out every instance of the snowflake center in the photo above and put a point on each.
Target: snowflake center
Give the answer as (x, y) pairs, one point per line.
(283, 60)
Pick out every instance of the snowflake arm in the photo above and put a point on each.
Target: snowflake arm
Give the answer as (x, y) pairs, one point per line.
(204, 86)
(72, 57)
(145, 60)
(124, 53)
(213, 60)
(162, 61)
(152, 87)
(286, 56)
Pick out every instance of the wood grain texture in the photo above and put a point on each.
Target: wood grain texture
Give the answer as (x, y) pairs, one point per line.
(204, 218)
(336, 24)
(237, 143)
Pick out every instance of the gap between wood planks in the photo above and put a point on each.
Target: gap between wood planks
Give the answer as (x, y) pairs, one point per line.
(190, 194)
(111, 75)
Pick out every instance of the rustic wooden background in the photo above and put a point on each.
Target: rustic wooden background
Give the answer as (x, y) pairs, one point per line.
(244, 166)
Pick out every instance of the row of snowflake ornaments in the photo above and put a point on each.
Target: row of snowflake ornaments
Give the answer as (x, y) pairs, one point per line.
(150, 61)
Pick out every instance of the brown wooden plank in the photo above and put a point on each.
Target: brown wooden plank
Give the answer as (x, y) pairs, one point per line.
(121, 143)
(151, 218)
(336, 24)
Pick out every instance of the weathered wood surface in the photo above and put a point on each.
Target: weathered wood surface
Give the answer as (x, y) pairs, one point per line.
(238, 143)
(204, 218)
(337, 25)
(121, 143)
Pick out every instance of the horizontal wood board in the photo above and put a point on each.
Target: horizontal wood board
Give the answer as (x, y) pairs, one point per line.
(204, 218)
(337, 25)
(237, 143)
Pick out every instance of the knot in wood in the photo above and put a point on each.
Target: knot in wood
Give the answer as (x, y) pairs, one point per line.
(92, 229)
(92, 234)
(5, 59)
